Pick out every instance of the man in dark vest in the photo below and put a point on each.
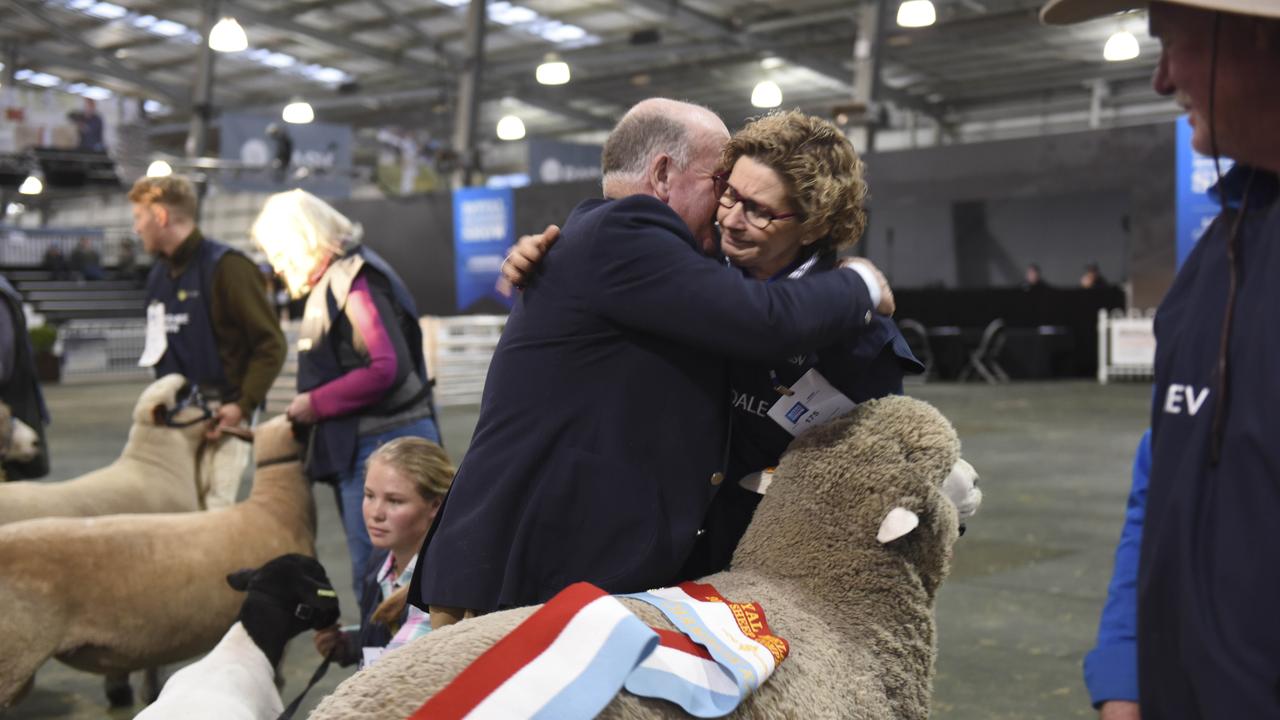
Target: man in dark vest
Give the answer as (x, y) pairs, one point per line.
(1208, 636)
(208, 314)
(19, 388)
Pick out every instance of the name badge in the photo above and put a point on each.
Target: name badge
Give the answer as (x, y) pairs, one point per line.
(155, 343)
(370, 655)
(812, 402)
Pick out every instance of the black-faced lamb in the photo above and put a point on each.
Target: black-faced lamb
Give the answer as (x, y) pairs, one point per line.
(235, 681)
(845, 553)
(126, 592)
(155, 473)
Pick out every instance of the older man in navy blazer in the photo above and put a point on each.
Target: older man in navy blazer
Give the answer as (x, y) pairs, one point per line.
(603, 426)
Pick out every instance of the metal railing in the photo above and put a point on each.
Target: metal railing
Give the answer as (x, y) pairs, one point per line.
(102, 349)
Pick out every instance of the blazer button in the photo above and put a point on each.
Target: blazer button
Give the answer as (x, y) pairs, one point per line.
(866, 319)
(717, 478)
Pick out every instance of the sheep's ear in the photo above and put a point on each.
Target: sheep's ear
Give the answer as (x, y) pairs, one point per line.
(239, 580)
(897, 523)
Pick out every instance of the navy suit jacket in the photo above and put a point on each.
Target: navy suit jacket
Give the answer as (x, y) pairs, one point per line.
(603, 423)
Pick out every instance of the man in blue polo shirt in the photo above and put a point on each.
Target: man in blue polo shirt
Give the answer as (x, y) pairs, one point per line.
(1209, 567)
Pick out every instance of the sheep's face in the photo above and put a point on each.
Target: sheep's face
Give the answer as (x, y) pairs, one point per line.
(872, 482)
(167, 401)
(274, 442)
(293, 586)
(23, 442)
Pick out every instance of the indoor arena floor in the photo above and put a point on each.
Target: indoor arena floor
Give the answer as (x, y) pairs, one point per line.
(1015, 618)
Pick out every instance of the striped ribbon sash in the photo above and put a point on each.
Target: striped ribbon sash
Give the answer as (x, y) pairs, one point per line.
(567, 660)
(736, 636)
(572, 656)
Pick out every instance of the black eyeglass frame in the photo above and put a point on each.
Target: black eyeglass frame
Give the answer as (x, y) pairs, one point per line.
(750, 208)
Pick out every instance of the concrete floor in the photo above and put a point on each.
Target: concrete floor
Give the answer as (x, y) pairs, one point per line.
(1015, 618)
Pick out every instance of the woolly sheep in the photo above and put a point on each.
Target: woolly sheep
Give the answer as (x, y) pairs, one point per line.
(119, 593)
(235, 681)
(18, 441)
(857, 611)
(156, 470)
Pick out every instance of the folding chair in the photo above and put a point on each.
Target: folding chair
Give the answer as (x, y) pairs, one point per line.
(983, 359)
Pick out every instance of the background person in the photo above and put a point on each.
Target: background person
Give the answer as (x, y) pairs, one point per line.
(1092, 278)
(1032, 279)
(86, 261)
(406, 481)
(362, 378)
(205, 299)
(19, 387)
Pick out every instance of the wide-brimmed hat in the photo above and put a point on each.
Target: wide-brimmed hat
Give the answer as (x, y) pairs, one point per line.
(1065, 12)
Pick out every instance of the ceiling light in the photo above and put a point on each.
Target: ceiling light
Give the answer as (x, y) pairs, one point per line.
(32, 185)
(510, 127)
(228, 36)
(916, 13)
(553, 71)
(159, 168)
(298, 112)
(767, 94)
(1120, 46)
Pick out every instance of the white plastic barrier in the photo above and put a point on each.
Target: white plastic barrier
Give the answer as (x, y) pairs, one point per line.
(102, 349)
(458, 351)
(1126, 345)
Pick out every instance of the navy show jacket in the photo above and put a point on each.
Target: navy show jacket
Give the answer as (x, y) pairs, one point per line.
(602, 428)
(1209, 569)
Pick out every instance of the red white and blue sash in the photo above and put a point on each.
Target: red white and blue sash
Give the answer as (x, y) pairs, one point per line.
(735, 635)
(572, 656)
(567, 660)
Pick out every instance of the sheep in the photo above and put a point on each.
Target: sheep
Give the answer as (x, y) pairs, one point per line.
(119, 593)
(19, 442)
(234, 681)
(845, 553)
(156, 471)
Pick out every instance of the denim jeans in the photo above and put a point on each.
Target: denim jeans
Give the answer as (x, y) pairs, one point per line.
(350, 492)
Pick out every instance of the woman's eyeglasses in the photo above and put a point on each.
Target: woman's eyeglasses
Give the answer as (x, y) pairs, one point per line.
(759, 217)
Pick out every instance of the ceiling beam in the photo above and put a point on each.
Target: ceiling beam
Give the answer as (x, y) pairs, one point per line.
(280, 21)
(100, 62)
(683, 15)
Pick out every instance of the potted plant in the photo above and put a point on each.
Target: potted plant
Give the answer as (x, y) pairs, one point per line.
(44, 338)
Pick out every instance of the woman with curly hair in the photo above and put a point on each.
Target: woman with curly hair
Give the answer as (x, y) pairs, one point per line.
(792, 196)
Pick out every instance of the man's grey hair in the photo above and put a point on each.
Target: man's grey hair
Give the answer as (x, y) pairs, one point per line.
(637, 138)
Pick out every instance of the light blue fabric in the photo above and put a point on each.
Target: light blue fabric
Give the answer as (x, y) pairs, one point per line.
(1111, 668)
(349, 491)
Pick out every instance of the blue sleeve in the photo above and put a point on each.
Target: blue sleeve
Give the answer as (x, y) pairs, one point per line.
(1111, 668)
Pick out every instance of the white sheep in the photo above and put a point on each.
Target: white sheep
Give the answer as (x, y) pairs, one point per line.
(235, 681)
(845, 553)
(156, 471)
(19, 442)
(124, 592)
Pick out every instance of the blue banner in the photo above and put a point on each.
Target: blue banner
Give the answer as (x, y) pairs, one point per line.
(1195, 175)
(483, 229)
